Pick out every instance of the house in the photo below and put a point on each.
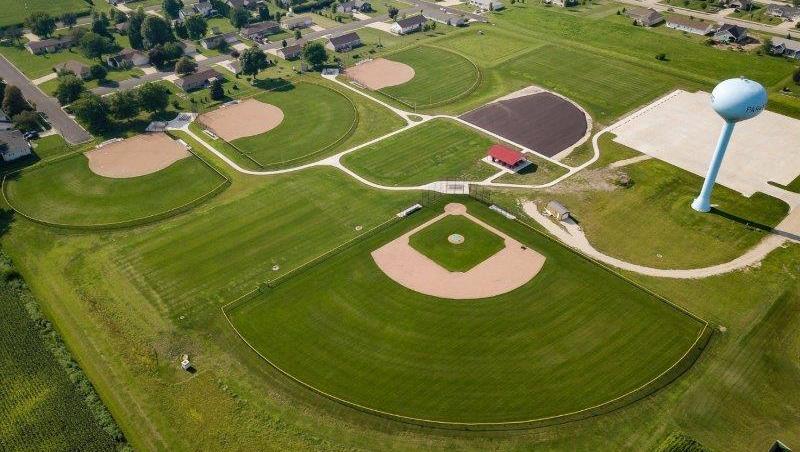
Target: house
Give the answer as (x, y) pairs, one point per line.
(738, 4)
(562, 3)
(185, 13)
(730, 33)
(204, 9)
(79, 69)
(290, 52)
(557, 210)
(364, 6)
(645, 17)
(243, 4)
(212, 42)
(346, 7)
(51, 45)
(197, 80)
(408, 25)
(13, 145)
(446, 18)
(259, 31)
(487, 5)
(122, 28)
(293, 23)
(783, 11)
(689, 25)
(509, 158)
(344, 43)
(786, 47)
(128, 58)
(5, 121)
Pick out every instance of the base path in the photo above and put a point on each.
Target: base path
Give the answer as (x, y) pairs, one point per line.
(510, 268)
(380, 73)
(243, 119)
(137, 156)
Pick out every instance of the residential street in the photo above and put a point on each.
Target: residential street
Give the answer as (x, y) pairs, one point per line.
(69, 129)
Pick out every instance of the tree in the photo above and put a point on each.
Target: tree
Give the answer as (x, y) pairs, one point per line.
(91, 111)
(216, 91)
(153, 97)
(172, 7)
(135, 29)
(13, 101)
(98, 72)
(41, 24)
(180, 30)
(155, 31)
(393, 12)
(123, 104)
(239, 17)
(796, 76)
(253, 60)
(185, 65)
(2, 90)
(157, 56)
(766, 45)
(315, 54)
(100, 23)
(263, 12)
(196, 26)
(297, 34)
(69, 89)
(172, 51)
(283, 43)
(13, 33)
(26, 120)
(94, 46)
(69, 19)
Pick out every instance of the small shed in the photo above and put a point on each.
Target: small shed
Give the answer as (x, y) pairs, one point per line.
(507, 157)
(557, 210)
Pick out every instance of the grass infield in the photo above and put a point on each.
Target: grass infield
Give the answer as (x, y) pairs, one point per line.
(479, 243)
(574, 337)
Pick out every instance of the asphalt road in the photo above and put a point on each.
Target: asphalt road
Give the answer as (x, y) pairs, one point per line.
(69, 129)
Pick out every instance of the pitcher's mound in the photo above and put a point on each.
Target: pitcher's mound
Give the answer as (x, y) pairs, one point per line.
(380, 73)
(137, 156)
(244, 119)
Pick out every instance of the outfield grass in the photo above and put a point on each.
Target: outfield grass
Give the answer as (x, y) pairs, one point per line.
(574, 337)
(67, 192)
(491, 47)
(440, 77)
(479, 243)
(439, 149)
(16, 14)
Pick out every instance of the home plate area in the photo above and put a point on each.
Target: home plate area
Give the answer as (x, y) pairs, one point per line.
(457, 256)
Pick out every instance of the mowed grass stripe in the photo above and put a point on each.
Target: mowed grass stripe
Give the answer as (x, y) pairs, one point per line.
(440, 76)
(436, 150)
(574, 337)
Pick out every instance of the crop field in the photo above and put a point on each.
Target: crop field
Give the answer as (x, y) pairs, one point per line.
(440, 77)
(67, 192)
(315, 119)
(467, 361)
(437, 150)
(16, 15)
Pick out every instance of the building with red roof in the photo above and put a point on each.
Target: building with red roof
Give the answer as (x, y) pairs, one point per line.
(507, 157)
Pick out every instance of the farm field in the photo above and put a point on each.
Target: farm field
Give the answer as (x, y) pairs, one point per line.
(17, 14)
(479, 243)
(67, 192)
(440, 77)
(463, 361)
(437, 150)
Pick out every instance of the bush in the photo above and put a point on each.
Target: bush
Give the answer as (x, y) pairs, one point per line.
(26, 120)
(661, 57)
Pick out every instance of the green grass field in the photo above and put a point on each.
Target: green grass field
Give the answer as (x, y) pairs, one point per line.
(558, 344)
(437, 150)
(315, 119)
(67, 192)
(479, 243)
(440, 77)
(11, 15)
(539, 172)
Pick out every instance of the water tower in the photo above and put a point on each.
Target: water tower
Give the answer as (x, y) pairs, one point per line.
(735, 100)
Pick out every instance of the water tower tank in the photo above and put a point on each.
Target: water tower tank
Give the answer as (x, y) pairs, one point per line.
(738, 99)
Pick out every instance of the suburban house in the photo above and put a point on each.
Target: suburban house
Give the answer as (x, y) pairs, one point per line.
(487, 5)
(212, 42)
(557, 210)
(292, 23)
(562, 3)
(364, 6)
(689, 25)
(128, 58)
(197, 80)
(730, 33)
(446, 18)
(786, 47)
(50, 45)
(408, 25)
(509, 158)
(645, 17)
(258, 32)
(346, 7)
(79, 69)
(204, 9)
(344, 43)
(738, 4)
(243, 4)
(13, 145)
(290, 52)
(122, 28)
(783, 11)
(5, 121)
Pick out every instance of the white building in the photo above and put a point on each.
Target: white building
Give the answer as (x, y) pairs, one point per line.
(13, 145)
(487, 5)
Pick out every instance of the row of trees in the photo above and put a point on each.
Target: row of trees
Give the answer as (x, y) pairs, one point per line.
(17, 108)
(96, 112)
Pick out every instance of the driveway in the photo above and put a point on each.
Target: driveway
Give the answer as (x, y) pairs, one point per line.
(69, 129)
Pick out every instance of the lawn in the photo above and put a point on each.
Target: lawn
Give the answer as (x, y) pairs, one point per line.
(35, 66)
(757, 14)
(112, 80)
(381, 7)
(573, 337)
(492, 46)
(697, 5)
(12, 15)
(68, 192)
(439, 149)
(440, 77)
(540, 171)
(479, 243)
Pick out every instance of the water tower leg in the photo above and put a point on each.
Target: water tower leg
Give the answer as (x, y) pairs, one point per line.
(703, 202)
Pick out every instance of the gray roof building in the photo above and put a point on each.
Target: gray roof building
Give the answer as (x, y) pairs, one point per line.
(13, 145)
(197, 80)
(344, 42)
